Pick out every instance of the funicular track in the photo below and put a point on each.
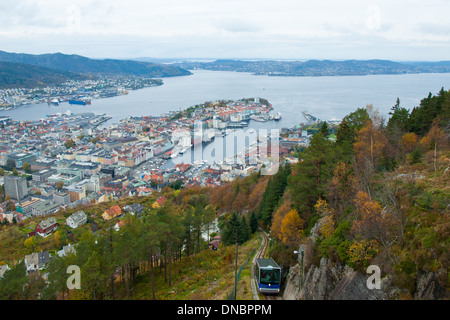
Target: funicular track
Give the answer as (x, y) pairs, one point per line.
(260, 254)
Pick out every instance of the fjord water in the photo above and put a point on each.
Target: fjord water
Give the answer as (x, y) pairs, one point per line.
(324, 97)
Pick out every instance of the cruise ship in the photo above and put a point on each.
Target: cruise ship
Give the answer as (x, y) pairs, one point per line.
(175, 151)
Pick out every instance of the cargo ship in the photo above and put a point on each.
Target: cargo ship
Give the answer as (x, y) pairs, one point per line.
(80, 102)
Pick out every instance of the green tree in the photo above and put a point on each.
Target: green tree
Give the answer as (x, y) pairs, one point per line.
(126, 251)
(188, 220)
(356, 121)
(93, 277)
(57, 277)
(176, 185)
(324, 129)
(253, 222)
(26, 167)
(171, 234)
(69, 144)
(110, 237)
(246, 230)
(273, 193)
(234, 231)
(310, 176)
(198, 225)
(399, 118)
(432, 107)
(13, 283)
(151, 231)
(208, 218)
(345, 137)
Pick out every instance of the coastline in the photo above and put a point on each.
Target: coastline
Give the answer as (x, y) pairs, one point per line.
(64, 96)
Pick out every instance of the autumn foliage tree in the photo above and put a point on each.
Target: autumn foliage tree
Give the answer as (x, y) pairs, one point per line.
(361, 252)
(278, 217)
(369, 148)
(434, 140)
(409, 141)
(328, 218)
(292, 228)
(342, 187)
(372, 223)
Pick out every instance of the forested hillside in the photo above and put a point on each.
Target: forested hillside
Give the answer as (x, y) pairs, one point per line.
(19, 75)
(83, 65)
(378, 195)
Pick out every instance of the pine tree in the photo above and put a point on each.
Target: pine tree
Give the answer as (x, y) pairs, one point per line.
(253, 222)
(234, 231)
(246, 230)
(273, 193)
(324, 129)
(422, 117)
(310, 176)
(398, 122)
(13, 283)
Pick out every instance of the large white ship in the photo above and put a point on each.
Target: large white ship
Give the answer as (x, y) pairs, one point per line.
(175, 151)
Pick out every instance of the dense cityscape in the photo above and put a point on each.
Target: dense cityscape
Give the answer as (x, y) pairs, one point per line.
(70, 160)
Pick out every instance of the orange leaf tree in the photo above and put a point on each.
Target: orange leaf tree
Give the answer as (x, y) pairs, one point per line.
(371, 222)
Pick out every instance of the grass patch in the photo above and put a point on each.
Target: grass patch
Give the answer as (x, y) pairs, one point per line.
(208, 275)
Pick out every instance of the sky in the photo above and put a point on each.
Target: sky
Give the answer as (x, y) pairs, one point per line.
(400, 30)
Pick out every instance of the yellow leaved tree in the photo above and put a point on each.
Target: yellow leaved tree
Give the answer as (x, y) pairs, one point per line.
(292, 228)
(327, 214)
(409, 141)
(361, 252)
(277, 220)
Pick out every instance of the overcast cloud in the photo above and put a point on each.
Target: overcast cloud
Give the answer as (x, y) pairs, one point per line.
(288, 29)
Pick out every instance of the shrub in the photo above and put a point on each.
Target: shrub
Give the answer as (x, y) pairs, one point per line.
(361, 252)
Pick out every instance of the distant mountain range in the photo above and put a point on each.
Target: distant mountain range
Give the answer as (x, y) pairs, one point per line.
(29, 70)
(320, 67)
(75, 65)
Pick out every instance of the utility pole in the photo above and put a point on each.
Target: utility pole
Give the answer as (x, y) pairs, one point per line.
(235, 268)
(301, 276)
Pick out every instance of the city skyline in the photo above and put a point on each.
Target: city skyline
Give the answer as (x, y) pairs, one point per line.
(301, 30)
